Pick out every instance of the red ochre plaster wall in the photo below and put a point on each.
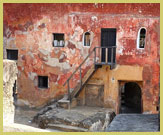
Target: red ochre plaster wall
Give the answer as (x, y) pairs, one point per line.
(30, 27)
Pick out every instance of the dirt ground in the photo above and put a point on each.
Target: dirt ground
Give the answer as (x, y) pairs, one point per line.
(25, 116)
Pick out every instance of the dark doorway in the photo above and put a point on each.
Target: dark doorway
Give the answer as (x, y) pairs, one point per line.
(108, 39)
(15, 92)
(130, 98)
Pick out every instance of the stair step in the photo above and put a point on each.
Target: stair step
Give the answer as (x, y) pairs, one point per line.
(95, 81)
(76, 89)
(66, 128)
(66, 103)
(87, 75)
(85, 78)
(63, 101)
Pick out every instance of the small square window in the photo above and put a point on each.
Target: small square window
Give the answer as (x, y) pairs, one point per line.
(58, 40)
(43, 81)
(12, 54)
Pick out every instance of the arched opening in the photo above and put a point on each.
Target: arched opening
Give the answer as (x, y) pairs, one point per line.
(141, 38)
(87, 40)
(130, 98)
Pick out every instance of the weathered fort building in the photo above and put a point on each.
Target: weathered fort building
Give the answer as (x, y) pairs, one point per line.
(110, 54)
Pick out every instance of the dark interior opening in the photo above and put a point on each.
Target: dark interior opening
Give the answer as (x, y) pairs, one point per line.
(130, 98)
(15, 92)
(87, 39)
(142, 38)
(12, 54)
(58, 39)
(108, 39)
(42, 81)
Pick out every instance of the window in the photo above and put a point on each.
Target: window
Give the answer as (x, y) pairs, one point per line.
(87, 39)
(141, 38)
(43, 81)
(12, 54)
(58, 39)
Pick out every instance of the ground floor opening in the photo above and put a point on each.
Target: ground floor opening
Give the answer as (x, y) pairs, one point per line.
(130, 98)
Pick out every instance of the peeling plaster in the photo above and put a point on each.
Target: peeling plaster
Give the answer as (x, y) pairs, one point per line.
(32, 75)
(77, 33)
(94, 18)
(30, 54)
(54, 62)
(120, 50)
(34, 39)
(8, 32)
(62, 56)
(43, 51)
(56, 50)
(72, 51)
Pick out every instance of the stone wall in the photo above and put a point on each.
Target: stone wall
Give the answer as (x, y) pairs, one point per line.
(29, 28)
(94, 95)
(112, 80)
(9, 76)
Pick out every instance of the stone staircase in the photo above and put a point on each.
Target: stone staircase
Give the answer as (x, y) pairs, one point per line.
(69, 100)
(65, 102)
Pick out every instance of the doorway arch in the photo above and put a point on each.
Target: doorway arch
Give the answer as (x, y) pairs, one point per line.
(131, 98)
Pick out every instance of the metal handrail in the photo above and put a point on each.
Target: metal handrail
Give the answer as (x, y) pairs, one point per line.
(79, 67)
(106, 47)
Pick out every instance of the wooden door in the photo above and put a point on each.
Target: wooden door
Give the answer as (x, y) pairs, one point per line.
(108, 39)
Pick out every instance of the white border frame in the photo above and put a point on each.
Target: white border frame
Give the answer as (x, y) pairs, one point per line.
(138, 38)
(90, 39)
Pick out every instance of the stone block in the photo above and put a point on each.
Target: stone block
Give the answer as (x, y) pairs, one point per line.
(9, 76)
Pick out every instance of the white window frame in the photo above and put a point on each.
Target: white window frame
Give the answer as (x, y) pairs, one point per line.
(90, 39)
(138, 38)
(63, 41)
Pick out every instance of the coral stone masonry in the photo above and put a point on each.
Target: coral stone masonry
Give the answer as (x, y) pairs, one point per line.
(49, 41)
(9, 77)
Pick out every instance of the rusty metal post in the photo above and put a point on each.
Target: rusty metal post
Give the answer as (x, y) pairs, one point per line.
(95, 55)
(106, 55)
(112, 56)
(100, 54)
(80, 78)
